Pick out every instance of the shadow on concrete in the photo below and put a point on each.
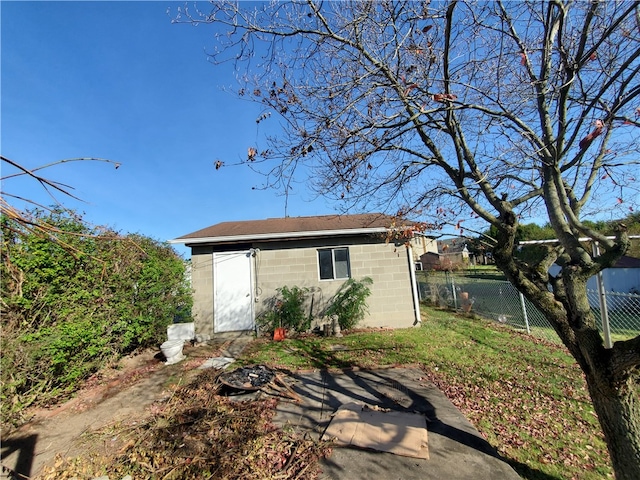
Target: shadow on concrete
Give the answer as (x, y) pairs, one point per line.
(25, 448)
(456, 449)
(384, 389)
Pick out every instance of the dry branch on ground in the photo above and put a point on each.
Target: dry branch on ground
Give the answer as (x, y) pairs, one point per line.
(198, 434)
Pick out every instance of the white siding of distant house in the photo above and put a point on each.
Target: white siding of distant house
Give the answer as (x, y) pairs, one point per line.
(621, 280)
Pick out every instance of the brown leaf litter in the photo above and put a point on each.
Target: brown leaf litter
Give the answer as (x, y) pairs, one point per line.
(197, 433)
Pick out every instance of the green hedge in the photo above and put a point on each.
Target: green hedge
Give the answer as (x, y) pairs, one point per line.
(76, 298)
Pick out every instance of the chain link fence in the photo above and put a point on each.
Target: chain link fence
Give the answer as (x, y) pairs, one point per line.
(620, 311)
(491, 296)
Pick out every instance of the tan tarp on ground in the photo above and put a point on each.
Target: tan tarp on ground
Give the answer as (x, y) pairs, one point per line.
(386, 431)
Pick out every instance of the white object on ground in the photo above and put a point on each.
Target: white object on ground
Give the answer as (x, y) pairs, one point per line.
(217, 362)
(172, 351)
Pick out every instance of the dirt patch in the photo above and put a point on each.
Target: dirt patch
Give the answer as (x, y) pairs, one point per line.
(197, 433)
(112, 396)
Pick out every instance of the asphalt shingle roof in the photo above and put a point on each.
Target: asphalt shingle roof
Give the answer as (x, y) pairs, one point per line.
(293, 225)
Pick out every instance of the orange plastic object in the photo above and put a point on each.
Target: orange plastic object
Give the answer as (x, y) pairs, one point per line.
(279, 334)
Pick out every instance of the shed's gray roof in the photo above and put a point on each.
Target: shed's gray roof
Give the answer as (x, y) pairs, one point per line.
(292, 227)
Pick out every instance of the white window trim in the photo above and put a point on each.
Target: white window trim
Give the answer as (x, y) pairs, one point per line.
(333, 263)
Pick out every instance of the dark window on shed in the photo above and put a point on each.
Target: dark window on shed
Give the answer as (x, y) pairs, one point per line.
(334, 263)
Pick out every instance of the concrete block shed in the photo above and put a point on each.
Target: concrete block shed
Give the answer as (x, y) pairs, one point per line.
(236, 267)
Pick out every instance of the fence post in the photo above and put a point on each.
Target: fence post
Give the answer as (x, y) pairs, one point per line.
(524, 312)
(453, 293)
(602, 296)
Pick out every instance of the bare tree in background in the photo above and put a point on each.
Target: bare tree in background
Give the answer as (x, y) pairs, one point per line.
(495, 111)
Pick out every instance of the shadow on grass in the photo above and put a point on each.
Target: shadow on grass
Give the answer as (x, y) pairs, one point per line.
(321, 356)
(528, 473)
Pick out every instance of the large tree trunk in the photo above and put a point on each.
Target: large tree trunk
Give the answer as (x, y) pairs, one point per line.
(611, 374)
(618, 410)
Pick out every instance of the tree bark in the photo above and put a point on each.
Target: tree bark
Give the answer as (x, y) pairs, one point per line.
(618, 410)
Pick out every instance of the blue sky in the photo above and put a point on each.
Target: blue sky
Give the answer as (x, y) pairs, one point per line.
(117, 80)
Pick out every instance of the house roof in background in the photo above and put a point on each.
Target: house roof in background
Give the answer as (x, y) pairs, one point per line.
(452, 245)
(292, 227)
(627, 262)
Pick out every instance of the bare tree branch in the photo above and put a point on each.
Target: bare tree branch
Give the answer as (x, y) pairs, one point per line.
(499, 110)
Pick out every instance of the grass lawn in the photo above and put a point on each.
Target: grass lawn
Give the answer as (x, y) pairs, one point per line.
(525, 395)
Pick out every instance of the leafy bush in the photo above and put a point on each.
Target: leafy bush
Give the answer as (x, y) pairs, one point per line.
(349, 305)
(286, 309)
(72, 306)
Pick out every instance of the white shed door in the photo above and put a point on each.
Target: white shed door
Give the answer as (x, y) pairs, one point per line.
(232, 298)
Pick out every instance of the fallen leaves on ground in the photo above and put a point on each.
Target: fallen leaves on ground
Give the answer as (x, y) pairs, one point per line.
(531, 421)
(198, 434)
